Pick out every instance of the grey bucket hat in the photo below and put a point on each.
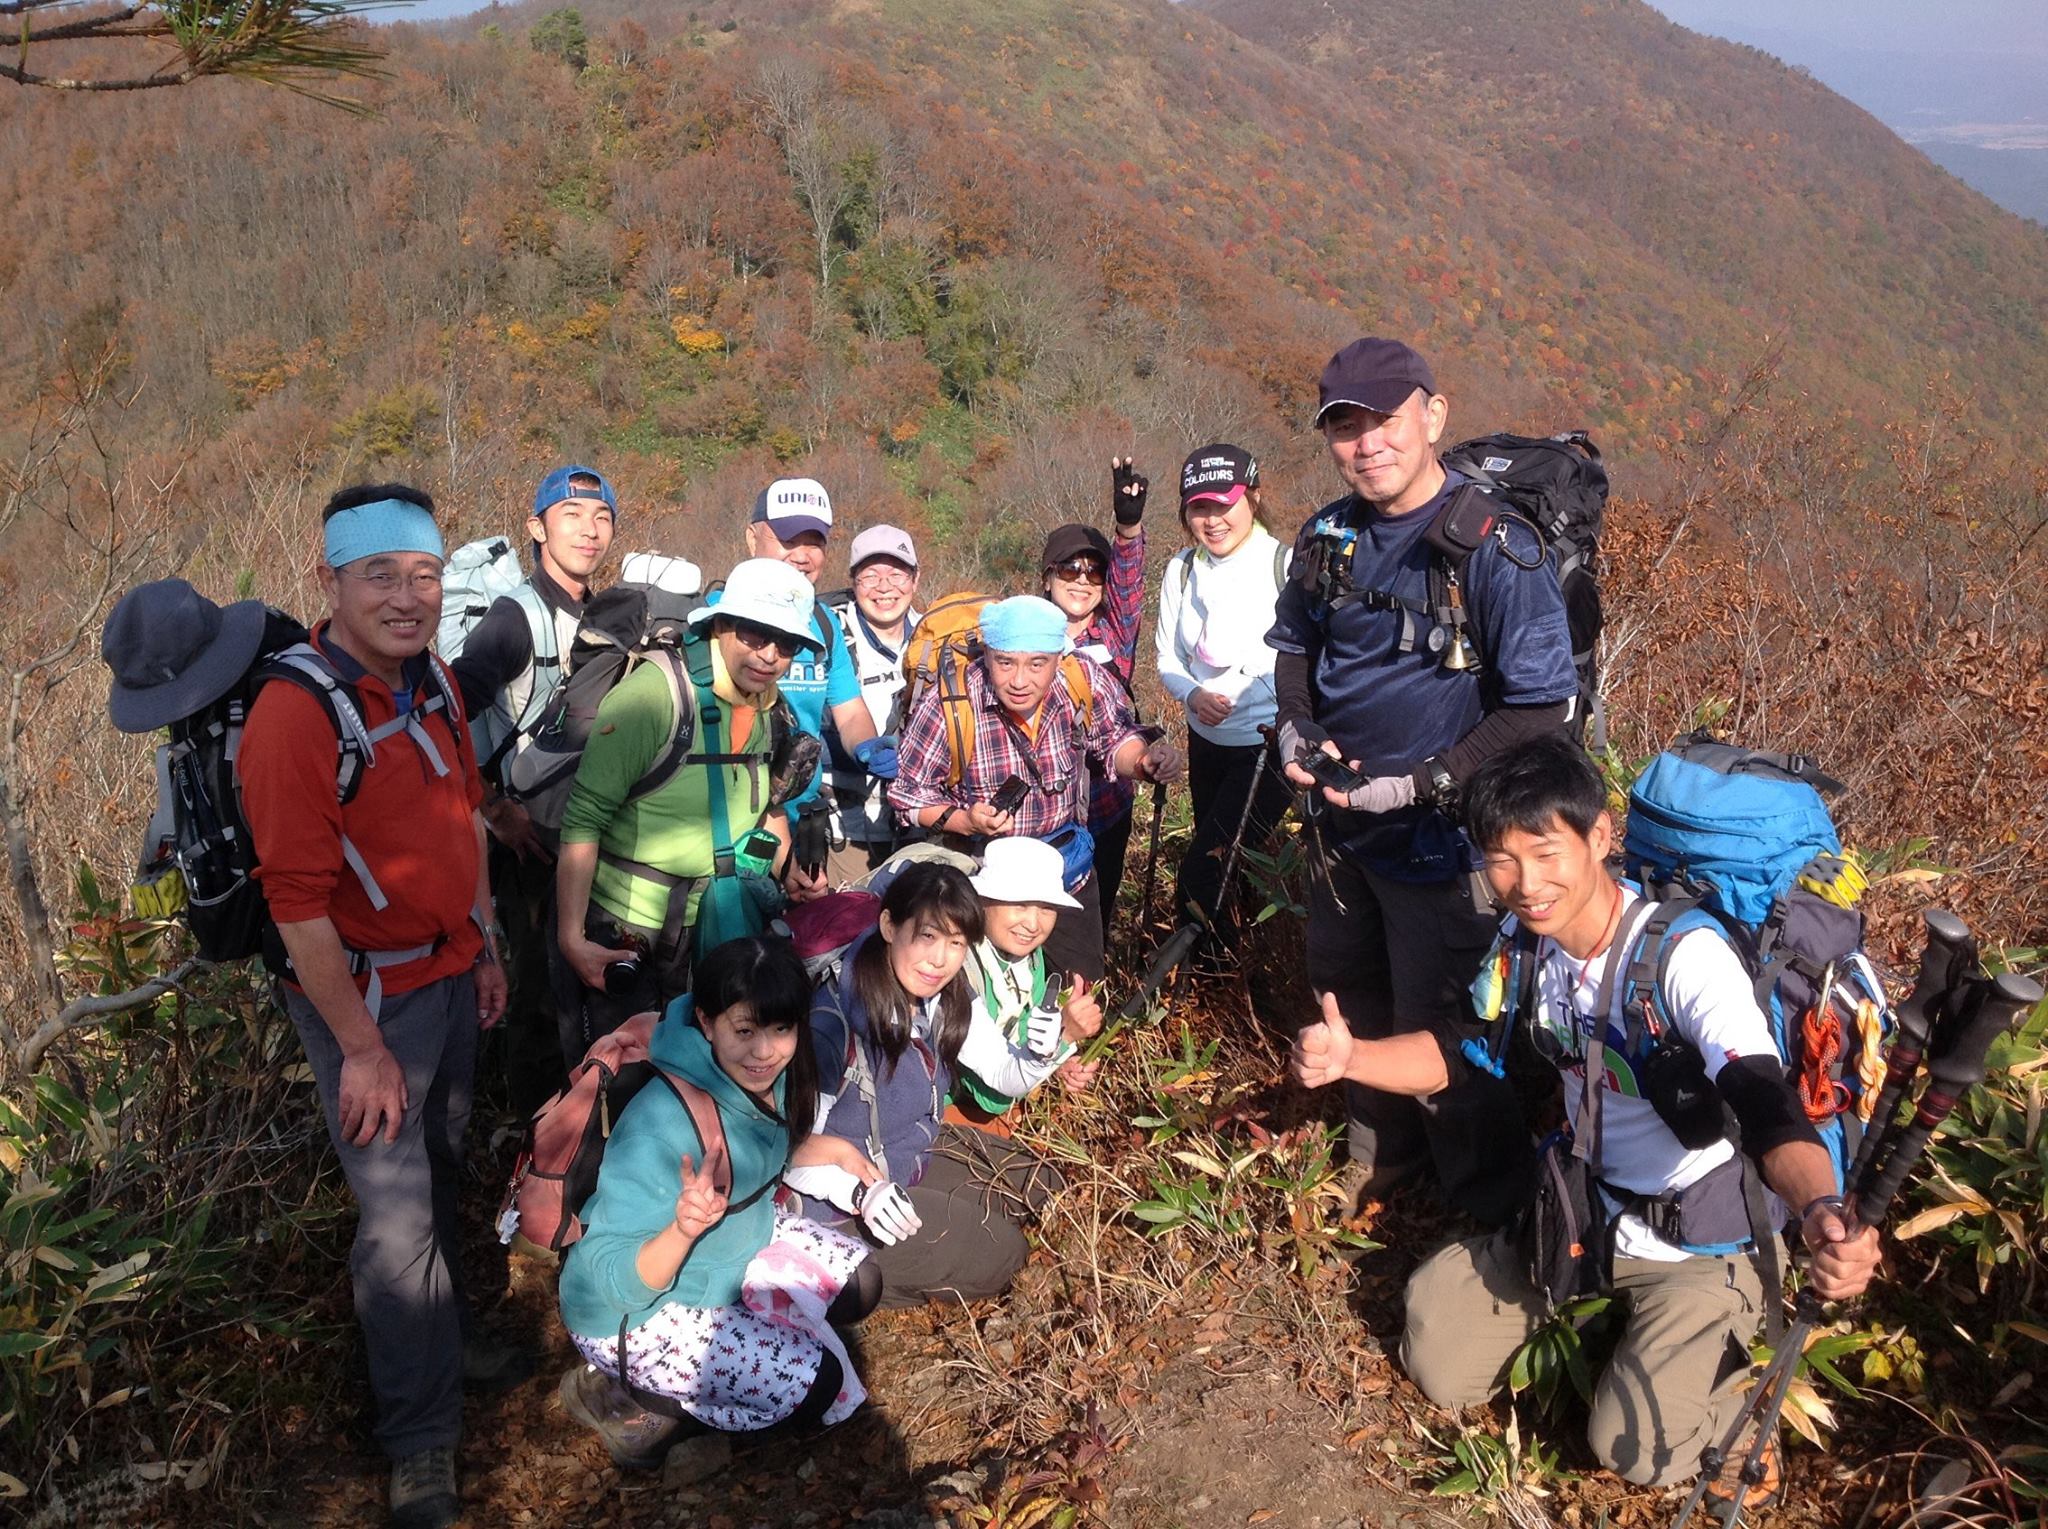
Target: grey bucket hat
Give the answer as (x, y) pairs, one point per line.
(174, 651)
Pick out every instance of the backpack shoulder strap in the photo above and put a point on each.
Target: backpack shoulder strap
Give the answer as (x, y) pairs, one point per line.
(1279, 565)
(710, 1128)
(1184, 567)
(682, 695)
(1646, 1004)
(307, 667)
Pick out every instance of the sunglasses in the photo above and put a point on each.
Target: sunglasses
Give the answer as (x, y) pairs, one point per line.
(755, 638)
(1081, 570)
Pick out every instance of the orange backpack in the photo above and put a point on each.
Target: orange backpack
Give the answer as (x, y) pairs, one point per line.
(945, 641)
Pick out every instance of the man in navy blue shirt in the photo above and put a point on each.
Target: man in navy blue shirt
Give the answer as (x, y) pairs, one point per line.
(1413, 669)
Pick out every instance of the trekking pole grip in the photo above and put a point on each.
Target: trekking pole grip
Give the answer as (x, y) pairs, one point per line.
(1961, 1048)
(1945, 959)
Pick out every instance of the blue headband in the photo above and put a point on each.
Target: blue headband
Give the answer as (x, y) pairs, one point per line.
(1024, 624)
(385, 525)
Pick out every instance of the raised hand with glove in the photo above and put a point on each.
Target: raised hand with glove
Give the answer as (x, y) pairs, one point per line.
(1127, 491)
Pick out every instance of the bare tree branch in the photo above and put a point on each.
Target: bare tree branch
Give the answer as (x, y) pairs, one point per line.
(82, 1013)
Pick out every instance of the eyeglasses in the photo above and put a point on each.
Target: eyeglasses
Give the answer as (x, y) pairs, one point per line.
(1081, 570)
(427, 581)
(755, 638)
(873, 577)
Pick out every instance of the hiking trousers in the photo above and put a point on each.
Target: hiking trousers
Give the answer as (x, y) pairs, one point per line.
(1674, 1384)
(976, 1188)
(1075, 944)
(406, 1262)
(1401, 956)
(1220, 775)
(528, 1038)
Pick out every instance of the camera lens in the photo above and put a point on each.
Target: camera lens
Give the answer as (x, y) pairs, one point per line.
(621, 977)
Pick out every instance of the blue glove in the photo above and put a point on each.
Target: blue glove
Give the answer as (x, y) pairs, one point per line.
(877, 756)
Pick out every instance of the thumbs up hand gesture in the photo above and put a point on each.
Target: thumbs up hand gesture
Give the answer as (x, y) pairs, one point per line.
(1322, 1049)
(701, 1205)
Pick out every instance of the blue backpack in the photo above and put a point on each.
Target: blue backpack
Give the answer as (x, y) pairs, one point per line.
(1742, 841)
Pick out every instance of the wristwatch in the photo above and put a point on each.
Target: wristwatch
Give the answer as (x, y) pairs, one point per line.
(1435, 785)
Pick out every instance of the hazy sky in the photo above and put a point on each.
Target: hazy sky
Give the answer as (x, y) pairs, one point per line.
(1947, 26)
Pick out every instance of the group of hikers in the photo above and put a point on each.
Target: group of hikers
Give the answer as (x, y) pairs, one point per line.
(841, 867)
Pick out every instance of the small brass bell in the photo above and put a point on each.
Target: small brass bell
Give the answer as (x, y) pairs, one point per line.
(1460, 657)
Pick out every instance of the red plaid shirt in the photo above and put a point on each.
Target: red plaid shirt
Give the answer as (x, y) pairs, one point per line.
(1116, 627)
(1053, 765)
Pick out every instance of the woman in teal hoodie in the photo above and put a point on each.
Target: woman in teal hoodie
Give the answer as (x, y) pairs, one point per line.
(698, 1310)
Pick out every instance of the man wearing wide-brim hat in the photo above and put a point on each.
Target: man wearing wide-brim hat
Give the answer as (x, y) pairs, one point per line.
(653, 841)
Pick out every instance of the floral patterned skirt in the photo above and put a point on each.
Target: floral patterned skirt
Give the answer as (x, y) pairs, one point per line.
(748, 1366)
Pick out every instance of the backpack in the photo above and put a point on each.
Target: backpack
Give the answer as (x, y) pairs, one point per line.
(199, 860)
(946, 641)
(623, 627)
(1741, 841)
(476, 576)
(556, 1170)
(1558, 484)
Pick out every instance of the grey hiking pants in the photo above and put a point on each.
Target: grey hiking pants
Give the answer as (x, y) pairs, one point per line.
(975, 1189)
(1675, 1381)
(406, 1263)
(1401, 956)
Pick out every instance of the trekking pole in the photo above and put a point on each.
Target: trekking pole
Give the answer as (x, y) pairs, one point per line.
(1152, 853)
(1945, 961)
(1969, 1016)
(1182, 942)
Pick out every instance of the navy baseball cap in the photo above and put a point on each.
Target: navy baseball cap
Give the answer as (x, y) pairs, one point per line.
(1373, 374)
(554, 488)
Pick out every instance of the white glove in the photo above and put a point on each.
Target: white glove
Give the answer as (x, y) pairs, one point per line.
(887, 1213)
(1042, 1030)
(1383, 793)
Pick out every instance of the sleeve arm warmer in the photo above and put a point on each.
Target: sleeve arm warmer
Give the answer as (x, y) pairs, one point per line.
(1495, 733)
(1292, 689)
(1765, 1106)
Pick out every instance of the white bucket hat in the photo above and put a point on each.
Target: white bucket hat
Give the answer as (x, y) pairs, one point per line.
(1021, 870)
(766, 592)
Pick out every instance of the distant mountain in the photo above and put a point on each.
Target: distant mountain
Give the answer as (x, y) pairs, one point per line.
(954, 253)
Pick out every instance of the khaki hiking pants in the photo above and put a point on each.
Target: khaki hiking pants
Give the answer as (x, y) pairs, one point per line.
(1675, 1381)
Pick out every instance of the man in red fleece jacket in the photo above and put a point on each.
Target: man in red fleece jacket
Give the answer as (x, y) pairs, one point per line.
(384, 908)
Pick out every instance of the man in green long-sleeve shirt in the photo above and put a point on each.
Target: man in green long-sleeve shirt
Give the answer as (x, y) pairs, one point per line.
(637, 859)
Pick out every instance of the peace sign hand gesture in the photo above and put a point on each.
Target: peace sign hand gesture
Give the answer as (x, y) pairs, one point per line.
(701, 1205)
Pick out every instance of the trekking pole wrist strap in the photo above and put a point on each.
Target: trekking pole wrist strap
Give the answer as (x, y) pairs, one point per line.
(1836, 1203)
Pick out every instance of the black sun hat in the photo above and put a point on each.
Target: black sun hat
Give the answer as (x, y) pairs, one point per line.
(174, 651)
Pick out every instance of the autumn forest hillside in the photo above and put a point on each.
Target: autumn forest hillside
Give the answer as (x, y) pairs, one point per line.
(948, 257)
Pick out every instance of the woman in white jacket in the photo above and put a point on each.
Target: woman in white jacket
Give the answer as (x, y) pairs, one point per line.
(1215, 608)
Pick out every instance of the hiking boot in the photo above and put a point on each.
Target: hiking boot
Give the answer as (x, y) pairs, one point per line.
(489, 1366)
(635, 1438)
(1727, 1485)
(1365, 1182)
(423, 1490)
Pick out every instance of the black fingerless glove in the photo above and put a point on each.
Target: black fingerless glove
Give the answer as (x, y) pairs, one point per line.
(1128, 488)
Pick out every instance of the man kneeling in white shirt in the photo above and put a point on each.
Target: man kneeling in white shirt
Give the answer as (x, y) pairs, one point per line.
(1539, 815)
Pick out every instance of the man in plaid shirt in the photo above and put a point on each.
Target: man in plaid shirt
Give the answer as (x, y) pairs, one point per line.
(1027, 726)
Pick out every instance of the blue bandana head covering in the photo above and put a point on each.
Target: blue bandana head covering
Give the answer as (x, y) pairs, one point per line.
(1024, 624)
(384, 525)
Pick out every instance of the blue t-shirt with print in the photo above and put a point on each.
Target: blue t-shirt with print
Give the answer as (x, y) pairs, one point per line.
(1391, 710)
(815, 684)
